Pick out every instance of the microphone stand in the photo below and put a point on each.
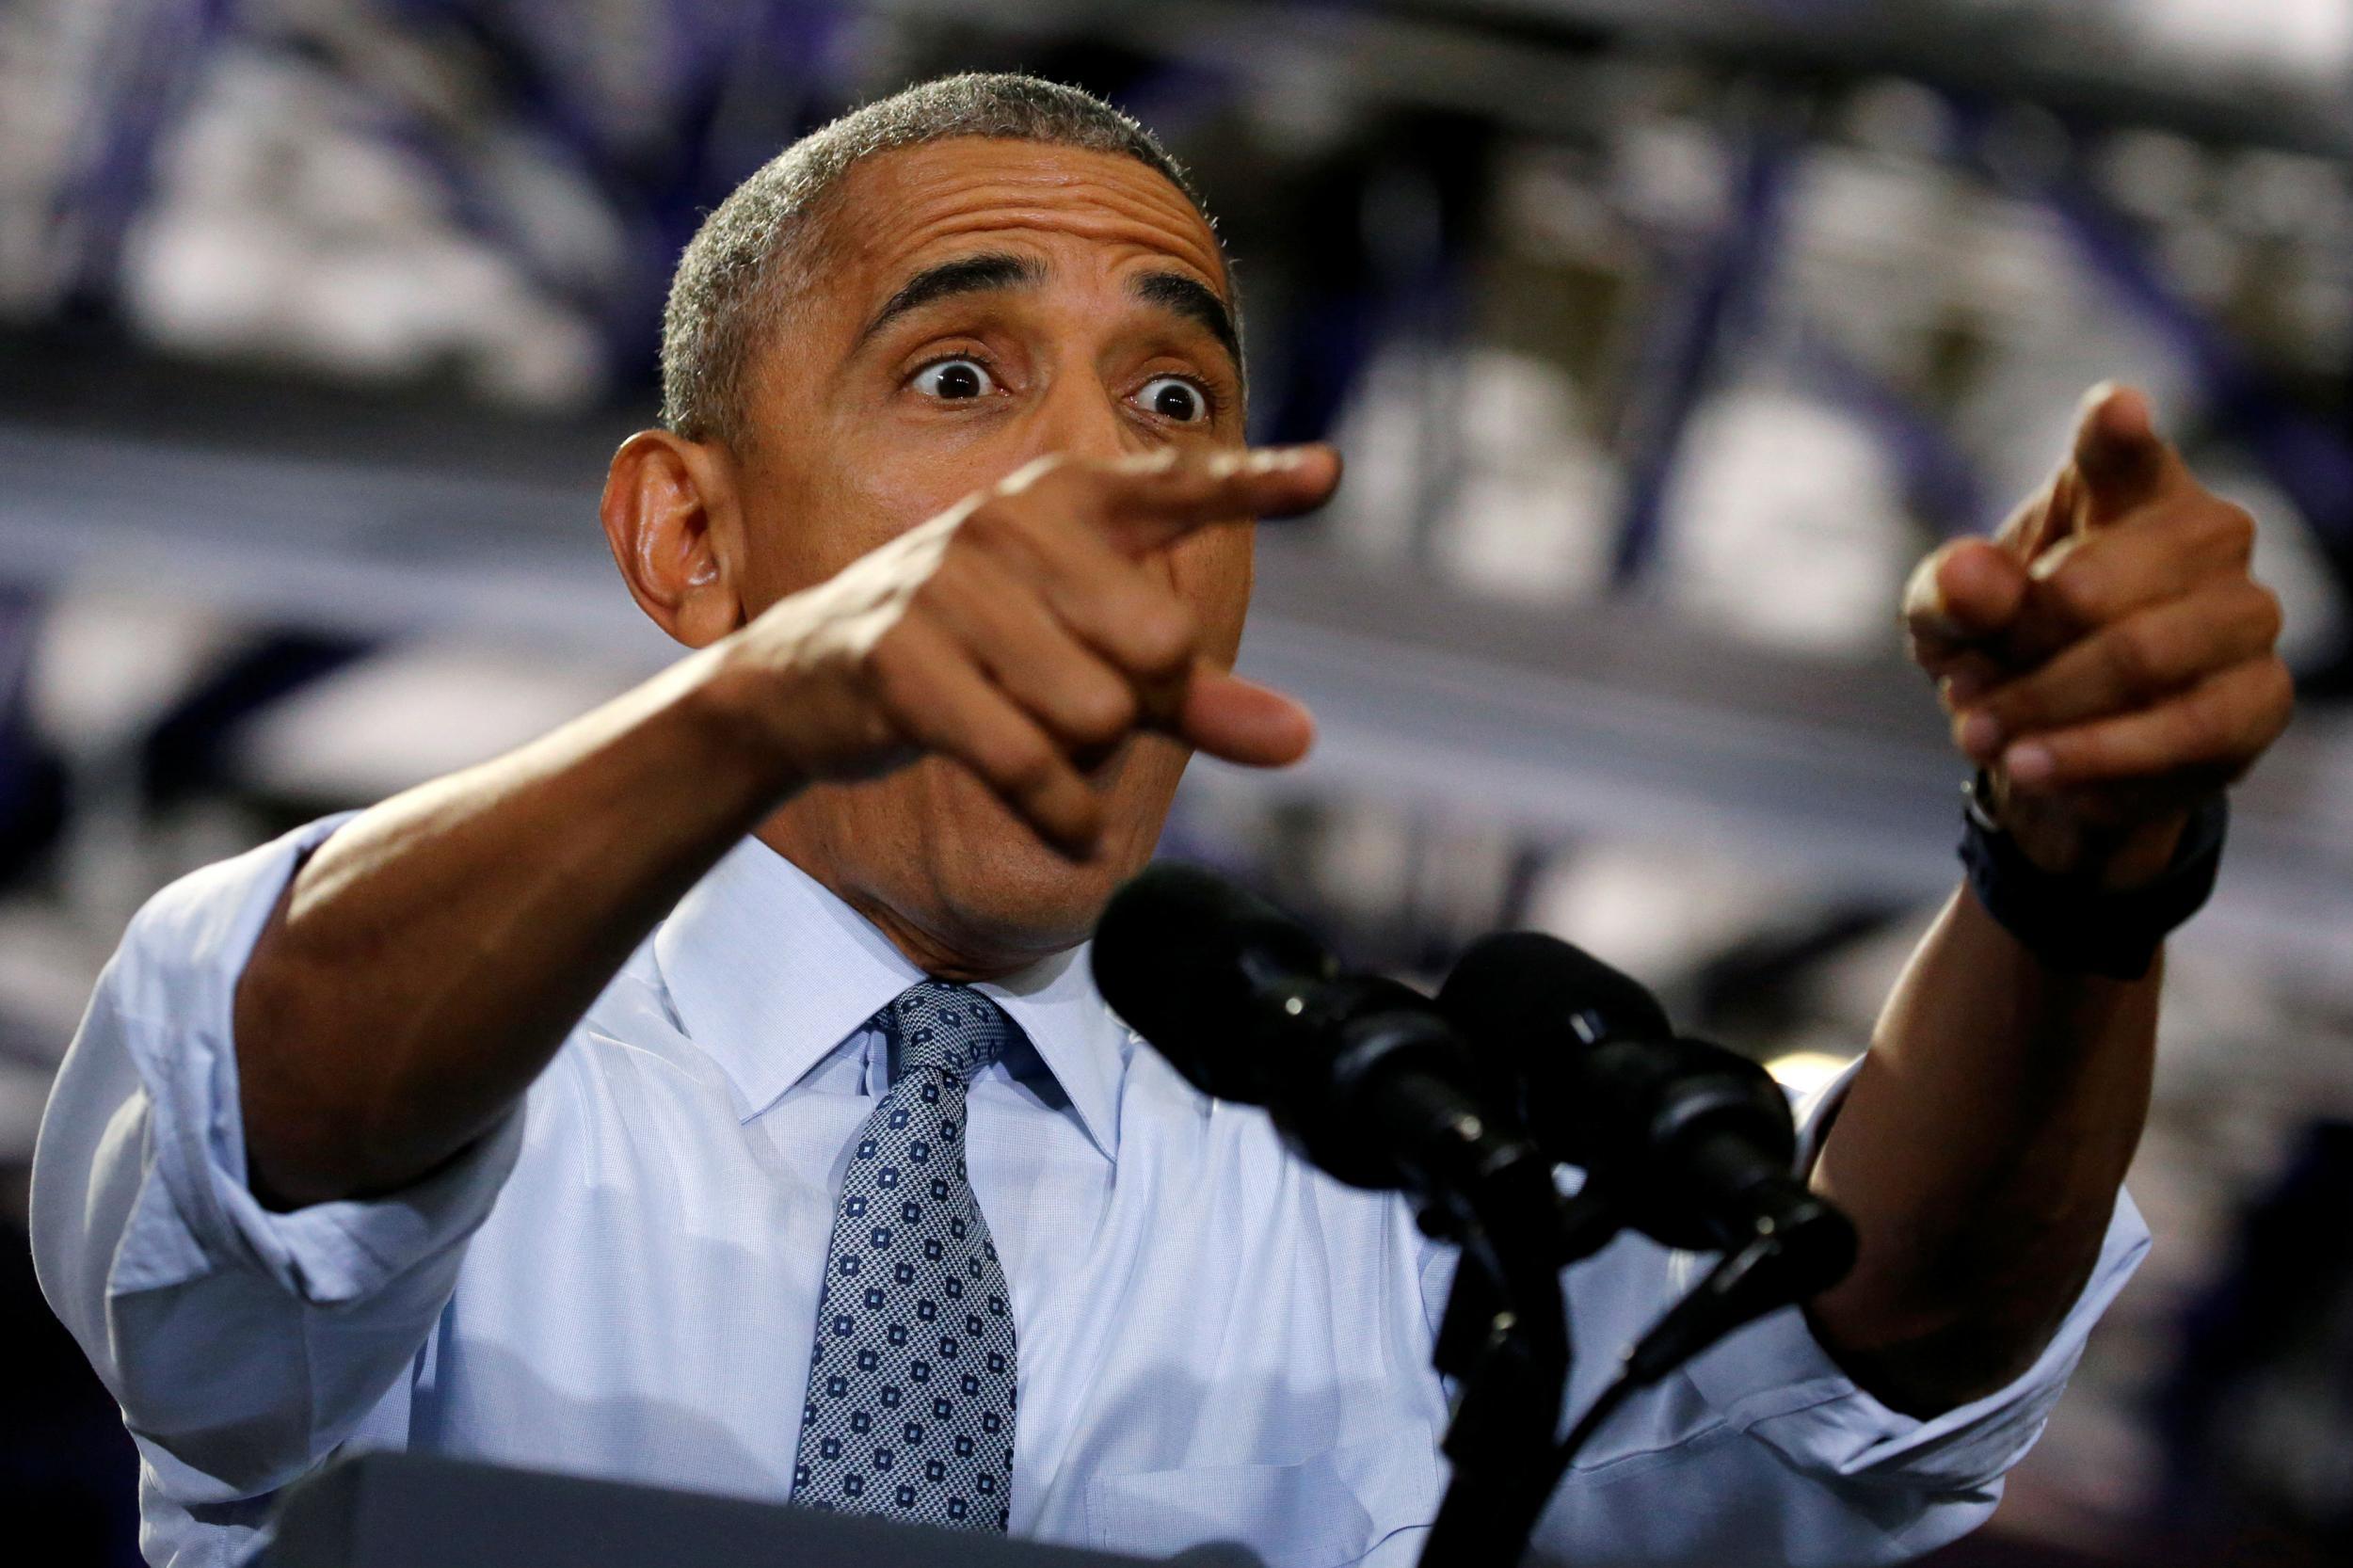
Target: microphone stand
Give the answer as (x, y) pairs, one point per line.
(1504, 1341)
(1802, 1250)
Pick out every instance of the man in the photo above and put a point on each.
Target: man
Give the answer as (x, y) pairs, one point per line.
(711, 1093)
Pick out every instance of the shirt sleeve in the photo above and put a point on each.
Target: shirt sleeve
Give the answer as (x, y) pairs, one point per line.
(1762, 1449)
(243, 1344)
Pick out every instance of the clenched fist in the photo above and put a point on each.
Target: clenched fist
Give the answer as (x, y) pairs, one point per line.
(1025, 632)
(2106, 657)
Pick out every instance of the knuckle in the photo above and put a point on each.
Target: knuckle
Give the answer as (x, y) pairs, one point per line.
(2269, 616)
(878, 657)
(989, 525)
(2015, 707)
(2026, 705)
(884, 668)
(2277, 689)
(949, 596)
(936, 590)
(1075, 817)
(1162, 638)
(1023, 764)
(2141, 655)
(2203, 726)
(1104, 710)
(2075, 756)
(2079, 592)
(2233, 529)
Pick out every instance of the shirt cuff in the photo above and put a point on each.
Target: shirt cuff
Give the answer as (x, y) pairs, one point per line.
(1773, 1380)
(186, 950)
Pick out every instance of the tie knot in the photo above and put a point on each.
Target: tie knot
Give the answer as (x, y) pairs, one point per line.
(953, 1028)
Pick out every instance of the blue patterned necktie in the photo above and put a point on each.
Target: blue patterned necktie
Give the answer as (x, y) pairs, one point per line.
(911, 1380)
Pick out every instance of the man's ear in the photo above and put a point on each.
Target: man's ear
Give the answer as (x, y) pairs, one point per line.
(670, 516)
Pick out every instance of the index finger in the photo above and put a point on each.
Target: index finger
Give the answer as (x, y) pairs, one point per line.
(1148, 503)
(2121, 460)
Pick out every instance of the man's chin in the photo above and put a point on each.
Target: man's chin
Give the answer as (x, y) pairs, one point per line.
(1010, 890)
(960, 883)
(1003, 889)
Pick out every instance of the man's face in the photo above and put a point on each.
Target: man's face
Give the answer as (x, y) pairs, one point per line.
(985, 302)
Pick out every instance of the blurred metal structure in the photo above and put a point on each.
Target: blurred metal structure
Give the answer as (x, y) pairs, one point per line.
(1607, 720)
(346, 538)
(1661, 334)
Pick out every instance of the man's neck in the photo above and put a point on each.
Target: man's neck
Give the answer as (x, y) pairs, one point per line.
(940, 960)
(962, 961)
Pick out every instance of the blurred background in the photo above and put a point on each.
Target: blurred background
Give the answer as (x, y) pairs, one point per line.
(1662, 337)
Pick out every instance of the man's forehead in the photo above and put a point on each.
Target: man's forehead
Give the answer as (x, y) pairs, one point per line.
(902, 209)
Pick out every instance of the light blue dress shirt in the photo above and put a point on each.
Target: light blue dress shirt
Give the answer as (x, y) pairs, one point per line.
(1216, 1341)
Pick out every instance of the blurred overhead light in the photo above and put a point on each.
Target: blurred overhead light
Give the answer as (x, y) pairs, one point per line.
(1805, 1072)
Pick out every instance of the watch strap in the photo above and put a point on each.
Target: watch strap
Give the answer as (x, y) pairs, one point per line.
(2068, 920)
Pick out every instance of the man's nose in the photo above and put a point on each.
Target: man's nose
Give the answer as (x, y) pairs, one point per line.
(1080, 417)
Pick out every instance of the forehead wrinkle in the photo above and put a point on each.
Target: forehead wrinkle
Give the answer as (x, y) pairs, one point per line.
(1087, 223)
(1071, 197)
(1024, 164)
(1144, 211)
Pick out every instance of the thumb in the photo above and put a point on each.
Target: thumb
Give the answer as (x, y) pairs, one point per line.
(1967, 592)
(2121, 460)
(1241, 721)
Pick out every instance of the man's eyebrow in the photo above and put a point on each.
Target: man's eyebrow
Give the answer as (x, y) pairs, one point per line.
(993, 269)
(1195, 301)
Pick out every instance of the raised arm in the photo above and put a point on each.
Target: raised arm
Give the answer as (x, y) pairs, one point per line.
(432, 954)
(2110, 662)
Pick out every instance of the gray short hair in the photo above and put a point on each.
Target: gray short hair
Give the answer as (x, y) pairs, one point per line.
(729, 283)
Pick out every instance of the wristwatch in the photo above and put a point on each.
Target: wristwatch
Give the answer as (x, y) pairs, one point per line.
(2068, 920)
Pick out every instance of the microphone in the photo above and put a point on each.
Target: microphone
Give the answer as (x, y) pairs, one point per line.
(1688, 1141)
(1361, 1073)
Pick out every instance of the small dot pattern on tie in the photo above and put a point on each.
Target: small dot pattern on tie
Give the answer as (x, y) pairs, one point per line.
(910, 1409)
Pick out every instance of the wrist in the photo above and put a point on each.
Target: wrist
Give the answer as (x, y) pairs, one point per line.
(735, 707)
(2117, 856)
(2105, 913)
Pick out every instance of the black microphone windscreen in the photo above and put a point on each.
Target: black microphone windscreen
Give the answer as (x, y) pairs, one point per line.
(1524, 986)
(1181, 954)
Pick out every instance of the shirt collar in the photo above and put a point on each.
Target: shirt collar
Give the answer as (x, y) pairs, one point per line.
(769, 971)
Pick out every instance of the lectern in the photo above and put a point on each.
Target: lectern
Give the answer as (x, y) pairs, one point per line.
(423, 1511)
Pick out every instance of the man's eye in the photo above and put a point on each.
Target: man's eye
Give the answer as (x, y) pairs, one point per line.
(954, 381)
(1173, 397)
